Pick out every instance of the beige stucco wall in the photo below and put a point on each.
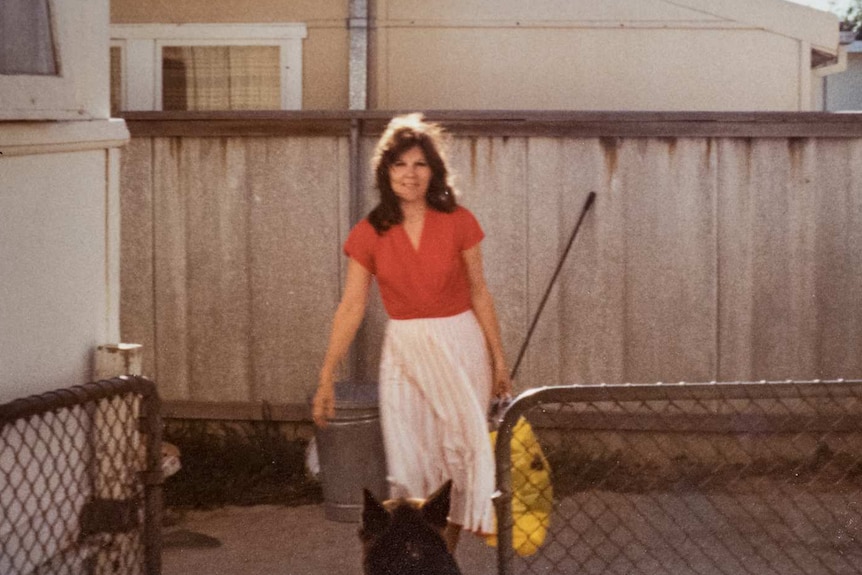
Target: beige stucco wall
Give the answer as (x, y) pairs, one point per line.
(588, 69)
(552, 54)
(624, 55)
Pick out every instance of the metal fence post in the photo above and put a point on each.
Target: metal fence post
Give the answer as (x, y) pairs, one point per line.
(152, 427)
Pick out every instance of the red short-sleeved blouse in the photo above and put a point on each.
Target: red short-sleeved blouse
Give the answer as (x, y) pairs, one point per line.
(429, 282)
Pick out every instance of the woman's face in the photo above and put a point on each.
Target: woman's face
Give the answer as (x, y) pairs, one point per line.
(409, 175)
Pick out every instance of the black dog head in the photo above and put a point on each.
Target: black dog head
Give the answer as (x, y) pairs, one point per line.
(405, 536)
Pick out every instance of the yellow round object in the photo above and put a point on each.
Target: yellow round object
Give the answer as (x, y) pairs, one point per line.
(532, 493)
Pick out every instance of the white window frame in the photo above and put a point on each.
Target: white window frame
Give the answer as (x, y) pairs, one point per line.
(74, 93)
(141, 47)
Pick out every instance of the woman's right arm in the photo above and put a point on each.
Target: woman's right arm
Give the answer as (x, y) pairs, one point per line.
(348, 317)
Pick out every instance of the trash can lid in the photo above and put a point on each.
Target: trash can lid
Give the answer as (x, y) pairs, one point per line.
(355, 394)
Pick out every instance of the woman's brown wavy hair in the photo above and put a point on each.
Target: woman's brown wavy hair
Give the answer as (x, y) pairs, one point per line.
(404, 133)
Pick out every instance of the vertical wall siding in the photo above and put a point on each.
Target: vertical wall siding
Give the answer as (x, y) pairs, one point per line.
(137, 301)
(245, 260)
(790, 258)
(702, 259)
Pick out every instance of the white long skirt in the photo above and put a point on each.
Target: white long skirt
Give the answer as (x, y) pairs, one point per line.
(435, 388)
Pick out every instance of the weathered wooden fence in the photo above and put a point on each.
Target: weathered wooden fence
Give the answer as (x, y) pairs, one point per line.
(721, 246)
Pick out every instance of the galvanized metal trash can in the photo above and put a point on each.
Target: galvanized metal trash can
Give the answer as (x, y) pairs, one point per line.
(351, 453)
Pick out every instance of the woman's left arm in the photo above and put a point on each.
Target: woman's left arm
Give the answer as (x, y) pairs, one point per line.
(486, 313)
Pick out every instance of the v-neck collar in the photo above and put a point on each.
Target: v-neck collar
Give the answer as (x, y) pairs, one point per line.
(418, 247)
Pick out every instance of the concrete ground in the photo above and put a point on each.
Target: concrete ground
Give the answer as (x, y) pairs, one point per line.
(279, 540)
(762, 527)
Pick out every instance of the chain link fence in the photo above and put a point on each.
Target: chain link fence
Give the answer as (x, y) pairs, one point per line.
(721, 478)
(80, 481)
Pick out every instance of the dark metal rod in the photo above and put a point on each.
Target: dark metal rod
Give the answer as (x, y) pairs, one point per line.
(153, 495)
(591, 197)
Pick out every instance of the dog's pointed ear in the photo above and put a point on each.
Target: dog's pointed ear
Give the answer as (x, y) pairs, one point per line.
(436, 507)
(375, 518)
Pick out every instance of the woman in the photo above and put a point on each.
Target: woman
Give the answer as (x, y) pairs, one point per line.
(442, 357)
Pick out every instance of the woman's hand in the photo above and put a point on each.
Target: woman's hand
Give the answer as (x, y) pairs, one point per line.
(323, 404)
(483, 307)
(502, 386)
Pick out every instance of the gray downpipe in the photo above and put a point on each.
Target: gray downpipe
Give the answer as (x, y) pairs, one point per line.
(357, 25)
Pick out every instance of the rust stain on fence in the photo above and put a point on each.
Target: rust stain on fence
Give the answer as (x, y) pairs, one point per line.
(609, 147)
(474, 158)
(796, 148)
(671, 144)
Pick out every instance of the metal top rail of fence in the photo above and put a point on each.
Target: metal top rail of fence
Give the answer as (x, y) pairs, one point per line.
(706, 478)
(80, 480)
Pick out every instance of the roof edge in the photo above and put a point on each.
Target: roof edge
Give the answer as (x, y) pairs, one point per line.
(816, 27)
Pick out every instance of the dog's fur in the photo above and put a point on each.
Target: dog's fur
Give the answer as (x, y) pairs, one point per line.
(405, 536)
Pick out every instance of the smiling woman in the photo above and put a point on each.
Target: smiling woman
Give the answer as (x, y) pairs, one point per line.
(410, 176)
(442, 357)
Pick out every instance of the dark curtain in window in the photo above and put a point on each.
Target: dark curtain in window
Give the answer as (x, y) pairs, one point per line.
(26, 38)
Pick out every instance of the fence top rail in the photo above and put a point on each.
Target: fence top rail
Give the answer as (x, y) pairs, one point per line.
(502, 123)
(69, 397)
(682, 391)
(788, 389)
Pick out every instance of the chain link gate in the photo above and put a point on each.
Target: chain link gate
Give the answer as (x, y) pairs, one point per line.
(80, 481)
(757, 478)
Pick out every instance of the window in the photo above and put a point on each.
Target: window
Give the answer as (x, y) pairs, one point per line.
(26, 38)
(221, 78)
(206, 67)
(46, 72)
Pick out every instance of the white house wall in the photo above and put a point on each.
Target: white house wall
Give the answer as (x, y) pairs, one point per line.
(58, 268)
(59, 211)
(59, 273)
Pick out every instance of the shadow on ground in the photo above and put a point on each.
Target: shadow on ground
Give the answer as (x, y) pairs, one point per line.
(280, 540)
